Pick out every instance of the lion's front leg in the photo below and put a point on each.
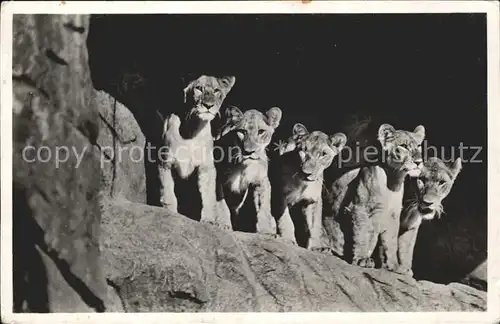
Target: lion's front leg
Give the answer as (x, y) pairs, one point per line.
(266, 224)
(207, 189)
(223, 214)
(364, 237)
(332, 236)
(167, 189)
(222, 209)
(406, 245)
(312, 213)
(389, 245)
(280, 212)
(285, 227)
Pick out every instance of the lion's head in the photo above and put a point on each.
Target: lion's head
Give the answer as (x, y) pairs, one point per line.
(253, 130)
(403, 151)
(433, 185)
(314, 151)
(204, 96)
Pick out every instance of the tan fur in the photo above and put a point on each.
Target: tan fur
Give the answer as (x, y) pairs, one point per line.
(364, 204)
(244, 169)
(428, 191)
(300, 181)
(193, 151)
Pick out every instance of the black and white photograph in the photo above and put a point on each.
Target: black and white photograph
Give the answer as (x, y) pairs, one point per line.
(275, 157)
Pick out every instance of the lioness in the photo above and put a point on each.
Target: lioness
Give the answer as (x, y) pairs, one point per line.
(245, 166)
(364, 204)
(298, 183)
(428, 191)
(189, 145)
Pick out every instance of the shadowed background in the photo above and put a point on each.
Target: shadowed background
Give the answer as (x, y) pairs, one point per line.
(320, 69)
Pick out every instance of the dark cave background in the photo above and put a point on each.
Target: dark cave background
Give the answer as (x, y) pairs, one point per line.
(403, 69)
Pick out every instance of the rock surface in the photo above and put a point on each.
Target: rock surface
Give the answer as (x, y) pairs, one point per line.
(122, 146)
(164, 262)
(56, 218)
(478, 278)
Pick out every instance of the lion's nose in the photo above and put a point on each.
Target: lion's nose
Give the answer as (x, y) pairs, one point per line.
(307, 172)
(247, 152)
(426, 203)
(207, 105)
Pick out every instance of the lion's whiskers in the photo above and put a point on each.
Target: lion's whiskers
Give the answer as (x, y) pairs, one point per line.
(439, 210)
(325, 187)
(411, 203)
(238, 156)
(188, 115)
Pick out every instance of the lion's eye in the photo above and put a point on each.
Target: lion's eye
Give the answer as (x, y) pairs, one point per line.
(442, 182)
(324, 153)
(198, 88)
(261, 132)
(404, 146)
(216, 90)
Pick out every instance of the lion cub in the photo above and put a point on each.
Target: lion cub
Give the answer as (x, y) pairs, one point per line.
(298, 183)
(364, 205)
(428, 191)
(190, 145)
(244, 168)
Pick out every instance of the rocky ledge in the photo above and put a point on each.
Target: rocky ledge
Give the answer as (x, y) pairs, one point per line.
(161, 262)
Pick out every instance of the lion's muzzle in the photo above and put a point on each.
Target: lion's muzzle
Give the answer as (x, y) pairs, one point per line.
(428, 204)
(205, 113)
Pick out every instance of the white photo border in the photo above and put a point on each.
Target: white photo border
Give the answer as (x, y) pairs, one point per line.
(491, 8)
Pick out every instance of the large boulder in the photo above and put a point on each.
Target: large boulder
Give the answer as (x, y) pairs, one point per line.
(162, 262)
(56, 217)
(123, 151)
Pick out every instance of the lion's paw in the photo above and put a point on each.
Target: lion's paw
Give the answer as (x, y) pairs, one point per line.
(406, 272)
(223, 226)
(364, 262)
(267, 229)
(323, 250)
(285, 240)
(396, 268)
(268, 235)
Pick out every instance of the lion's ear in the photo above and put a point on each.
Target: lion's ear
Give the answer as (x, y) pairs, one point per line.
(274, 117)
(232, 116)
(456, 167)
(338, 141)
(227, 82)
(386, 135)
(299, 130)
(420, 133)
